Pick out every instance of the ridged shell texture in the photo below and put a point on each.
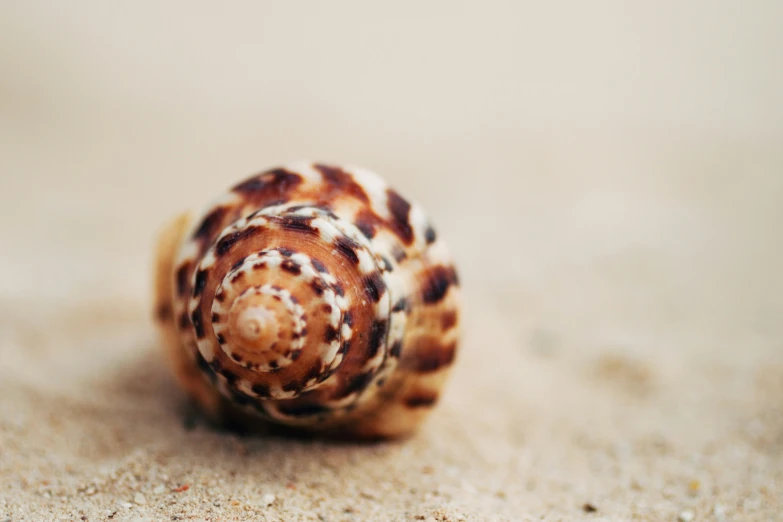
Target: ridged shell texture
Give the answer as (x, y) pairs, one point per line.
(312, 296)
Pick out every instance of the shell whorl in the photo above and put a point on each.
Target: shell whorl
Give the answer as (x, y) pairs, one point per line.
(269, 296)
(297, 292)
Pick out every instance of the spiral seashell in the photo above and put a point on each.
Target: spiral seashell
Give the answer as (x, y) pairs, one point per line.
(310, 296)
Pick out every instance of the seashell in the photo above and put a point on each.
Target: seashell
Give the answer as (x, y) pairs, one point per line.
(309, 296)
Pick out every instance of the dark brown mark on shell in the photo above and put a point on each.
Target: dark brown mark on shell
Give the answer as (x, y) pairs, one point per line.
(399, 254)
(433, 356)
(318, 285)
(429, 235)
(347, 247)
(221, 339)
(301, 410)
(227, 243)
(357, 383)
(374, 286)
(230, 376)
(215, 318)
(400, 305)
(285, 252)
(367, 221)
(348, 318)
(400, 210)
(377, 337)
(436, 283)
(314, 371)
(183, 279)
(448, 320)
(297, 224)
(291, 386)
(184, 321)
(291, 267)
(267, 186)
(211, 224)
(331, 334)
(295, 354)
(164, 312)
(201, 282)
(318, 265)
(396, 349)
(340, 181)
(195, 318)
(422, 399)
(328, 211)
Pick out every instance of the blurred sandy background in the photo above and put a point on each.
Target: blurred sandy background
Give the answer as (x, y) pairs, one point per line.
(608, 175)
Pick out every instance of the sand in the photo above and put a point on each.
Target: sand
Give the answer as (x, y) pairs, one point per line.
(622, 354)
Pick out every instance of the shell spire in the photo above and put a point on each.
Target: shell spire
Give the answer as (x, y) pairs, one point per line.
(312, 296)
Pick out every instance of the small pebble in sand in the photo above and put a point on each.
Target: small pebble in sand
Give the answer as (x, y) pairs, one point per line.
(693, 487)
(268, 499)
(589, 508)
(369, 494)
(139, 499)
(159, 489)
(685, 516)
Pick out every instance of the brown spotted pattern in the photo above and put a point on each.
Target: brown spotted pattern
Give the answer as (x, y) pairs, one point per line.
(312, 296)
